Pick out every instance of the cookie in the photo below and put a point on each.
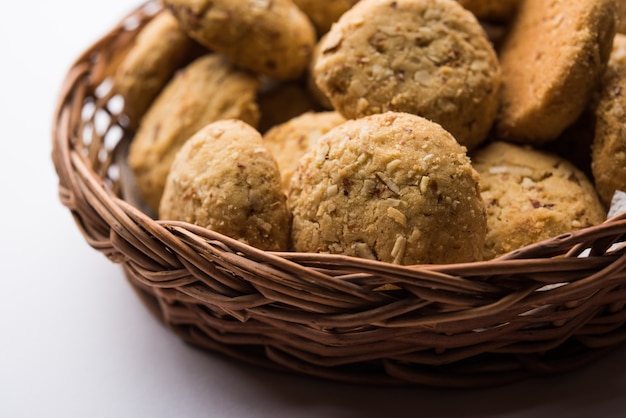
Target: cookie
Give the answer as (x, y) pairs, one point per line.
(551, 62)
(393, 187)
(497, 11)
(270, 37)
(225, 179)
(609, 141)
(282, 101)
(207, 90)
(530, 196)
(427, 57)
(158, 51)
(323, 13)
(289, 141)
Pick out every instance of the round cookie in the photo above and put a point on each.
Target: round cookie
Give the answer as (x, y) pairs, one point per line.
(551, 61)
(207, 90)
(289, 141)
(159, 50)
(323, 13)
(225, 179)
(270, 37)
(492, 10)
(530, 196)
(608, 156)
(393, 187)
(427, 57)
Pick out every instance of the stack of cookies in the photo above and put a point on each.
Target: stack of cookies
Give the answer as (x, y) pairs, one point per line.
(404, 131)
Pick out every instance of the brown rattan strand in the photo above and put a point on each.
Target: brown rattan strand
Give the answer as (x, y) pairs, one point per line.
(547, 308)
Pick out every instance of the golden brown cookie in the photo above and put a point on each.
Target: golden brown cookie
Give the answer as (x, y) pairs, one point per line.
(426, 57)
(492, 10)
(393, 187)
(225, 179)
(289, 141)
(551, 61)
(323, 13)
(159, 50)
(609, 142)
(270, 37)
(530, 196)
(207, 90)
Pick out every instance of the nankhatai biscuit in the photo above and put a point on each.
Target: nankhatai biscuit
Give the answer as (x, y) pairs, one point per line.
(289, 141)
(531, 195)
(207, 90)
(224, 179)
(393, 187)
(427, 57)
(551, 61)
(609, 142)
(270, 37)
(323, 13)
(492, 10)
(158, 51)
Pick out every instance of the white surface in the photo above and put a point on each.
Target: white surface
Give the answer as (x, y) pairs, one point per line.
(76, 342)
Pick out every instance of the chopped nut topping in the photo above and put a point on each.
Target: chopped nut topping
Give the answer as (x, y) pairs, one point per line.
(393, 164)
(415, 236)
(528, 182)
(388, 182)
(333, 41)
(362, 104)
(363, 250)
(423, 77)
(398, 250)
(505, 169)
(261, 4)
(424, 182)
(397, 216)
(332, 190)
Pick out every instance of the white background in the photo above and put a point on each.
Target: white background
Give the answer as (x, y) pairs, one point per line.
(76, 342)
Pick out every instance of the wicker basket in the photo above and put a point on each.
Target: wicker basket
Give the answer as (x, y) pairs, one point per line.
(547, 308)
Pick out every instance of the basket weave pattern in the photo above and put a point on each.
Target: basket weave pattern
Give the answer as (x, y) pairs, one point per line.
(547, 308)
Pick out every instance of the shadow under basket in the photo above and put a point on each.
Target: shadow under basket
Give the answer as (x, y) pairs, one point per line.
(548, 308)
